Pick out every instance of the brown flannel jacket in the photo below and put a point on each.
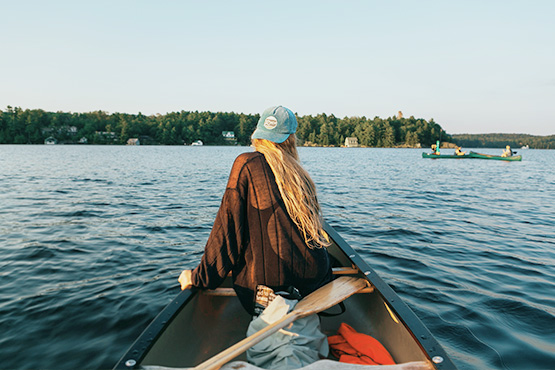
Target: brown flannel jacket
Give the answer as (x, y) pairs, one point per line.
(255, 238)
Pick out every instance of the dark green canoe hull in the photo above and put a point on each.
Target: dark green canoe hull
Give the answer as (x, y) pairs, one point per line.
(495, 157)
(473, 155)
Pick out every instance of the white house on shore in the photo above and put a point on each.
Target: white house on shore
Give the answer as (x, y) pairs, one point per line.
(229, 137)
(351, 142)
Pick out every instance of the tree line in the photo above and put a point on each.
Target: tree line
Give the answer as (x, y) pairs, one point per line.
(33, 126)
(501, 140)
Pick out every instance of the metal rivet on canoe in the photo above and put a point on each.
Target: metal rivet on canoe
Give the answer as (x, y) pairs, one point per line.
(437, 359)
(130, 363)
(351, 256)
(366, 273)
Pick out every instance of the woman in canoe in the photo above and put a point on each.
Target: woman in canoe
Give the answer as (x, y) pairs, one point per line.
(458, 151)
(268, 232)
(507, 152)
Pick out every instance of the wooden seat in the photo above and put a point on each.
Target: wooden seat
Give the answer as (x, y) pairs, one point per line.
(229, 292)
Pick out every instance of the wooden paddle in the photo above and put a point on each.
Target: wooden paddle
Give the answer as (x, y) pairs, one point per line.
(327, 296)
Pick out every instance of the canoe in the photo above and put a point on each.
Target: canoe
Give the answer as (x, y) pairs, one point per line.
(438, 156)
(497, 157)
(473, 155)
(199, 324)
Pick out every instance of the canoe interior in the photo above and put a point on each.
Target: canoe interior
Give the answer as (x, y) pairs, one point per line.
(203, 328)
(197, 325)
(210, 324)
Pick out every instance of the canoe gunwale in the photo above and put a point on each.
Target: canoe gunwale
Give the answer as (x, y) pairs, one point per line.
(148, 337)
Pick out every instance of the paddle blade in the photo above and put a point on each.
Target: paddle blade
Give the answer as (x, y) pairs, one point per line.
(329, 295)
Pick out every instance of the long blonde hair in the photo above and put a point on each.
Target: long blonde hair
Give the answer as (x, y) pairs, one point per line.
(296, 187)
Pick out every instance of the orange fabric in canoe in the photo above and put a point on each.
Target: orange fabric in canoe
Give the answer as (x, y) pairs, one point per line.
(353, 347)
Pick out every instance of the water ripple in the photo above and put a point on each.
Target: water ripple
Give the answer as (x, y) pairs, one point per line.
(91, 248)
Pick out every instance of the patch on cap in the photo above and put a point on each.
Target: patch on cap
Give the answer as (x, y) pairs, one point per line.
(270, 123)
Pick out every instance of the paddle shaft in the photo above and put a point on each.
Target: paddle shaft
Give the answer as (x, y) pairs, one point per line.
(321, 299)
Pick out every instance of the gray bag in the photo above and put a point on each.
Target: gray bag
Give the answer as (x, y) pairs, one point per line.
(298, 345)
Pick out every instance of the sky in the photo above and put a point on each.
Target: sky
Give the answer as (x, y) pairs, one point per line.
(473, 66)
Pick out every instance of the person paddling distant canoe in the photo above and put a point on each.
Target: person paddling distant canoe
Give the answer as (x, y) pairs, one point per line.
(458, 151)
(268, 233)
(507, 152)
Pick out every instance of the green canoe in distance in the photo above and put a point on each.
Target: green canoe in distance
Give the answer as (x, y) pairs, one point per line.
(473, 155)
(496, 157)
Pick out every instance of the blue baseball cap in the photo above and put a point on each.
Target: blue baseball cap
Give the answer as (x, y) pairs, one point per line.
(275, 124)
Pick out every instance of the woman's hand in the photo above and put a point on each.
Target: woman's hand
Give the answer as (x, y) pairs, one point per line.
(185, 279)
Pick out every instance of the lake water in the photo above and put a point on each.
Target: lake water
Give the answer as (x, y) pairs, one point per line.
(93, 238)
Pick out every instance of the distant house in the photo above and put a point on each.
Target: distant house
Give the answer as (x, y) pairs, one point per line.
(229, 137)
(351, 142)
(196, 143)
(50, 140)
(71, 130)
(83, 140)
(133, 141)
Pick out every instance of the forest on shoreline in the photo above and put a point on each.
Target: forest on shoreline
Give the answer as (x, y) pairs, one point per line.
(501, 140)
(34, 126)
